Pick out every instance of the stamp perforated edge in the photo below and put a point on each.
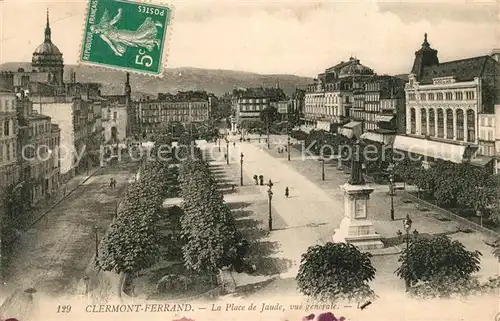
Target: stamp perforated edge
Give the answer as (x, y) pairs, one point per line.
(164, 55)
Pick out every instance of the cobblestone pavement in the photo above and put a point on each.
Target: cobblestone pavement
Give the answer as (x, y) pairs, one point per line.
(315, 209)
(52, 256)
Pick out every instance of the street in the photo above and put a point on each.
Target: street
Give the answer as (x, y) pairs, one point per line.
(311, 214)
(52, 256)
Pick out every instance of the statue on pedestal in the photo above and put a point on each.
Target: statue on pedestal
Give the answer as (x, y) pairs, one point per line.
(356, 166)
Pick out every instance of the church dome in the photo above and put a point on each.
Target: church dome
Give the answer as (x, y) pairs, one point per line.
(354, 68)
(47, 48)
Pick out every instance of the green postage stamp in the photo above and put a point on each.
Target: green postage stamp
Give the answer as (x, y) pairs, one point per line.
(128, 35)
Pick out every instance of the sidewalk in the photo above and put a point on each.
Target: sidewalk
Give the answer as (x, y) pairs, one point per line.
(315, 209)
(46, 205)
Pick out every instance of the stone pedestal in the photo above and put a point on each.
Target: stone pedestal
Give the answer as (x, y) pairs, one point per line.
(356, 228)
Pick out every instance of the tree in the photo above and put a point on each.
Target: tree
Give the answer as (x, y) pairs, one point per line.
(438, 261)
(208, 227)
(269, 115)
(221, 110)
(334, 272)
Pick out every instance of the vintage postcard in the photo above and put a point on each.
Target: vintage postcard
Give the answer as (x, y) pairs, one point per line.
(249, 160)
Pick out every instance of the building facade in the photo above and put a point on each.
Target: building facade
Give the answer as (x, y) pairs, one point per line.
(190, 107)
(443, 104)
(249, 103)
(9, 169)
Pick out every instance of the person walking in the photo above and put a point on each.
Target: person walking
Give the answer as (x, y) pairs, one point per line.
(111, 183)
(287, 192)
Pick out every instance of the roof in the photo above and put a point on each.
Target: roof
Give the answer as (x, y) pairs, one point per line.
(338, 66)
(47, 48)
(463, 69)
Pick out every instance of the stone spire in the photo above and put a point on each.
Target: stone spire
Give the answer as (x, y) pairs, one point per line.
(356, 166)
(47, 29)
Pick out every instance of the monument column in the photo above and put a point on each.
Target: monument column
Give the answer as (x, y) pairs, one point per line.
(356, 228)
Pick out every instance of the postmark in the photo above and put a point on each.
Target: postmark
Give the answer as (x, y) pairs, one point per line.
(126, 35)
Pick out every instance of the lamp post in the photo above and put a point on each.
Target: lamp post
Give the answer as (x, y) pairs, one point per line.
(288, 146)
(241, 169)
(227, 151)
(322, 160)
(407, 226)
(270, 218)
(219, 142)
(391, 189)
(96, 241)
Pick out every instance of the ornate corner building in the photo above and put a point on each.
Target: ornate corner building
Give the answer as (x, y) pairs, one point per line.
(450, 108)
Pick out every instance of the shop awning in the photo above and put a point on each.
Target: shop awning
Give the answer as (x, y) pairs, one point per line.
(348, 132)
(323, 125)
(386, 139)
(437, 150)
(384, 118)
(352, 129)
(481, 160)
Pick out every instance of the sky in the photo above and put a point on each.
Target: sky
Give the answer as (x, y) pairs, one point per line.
(279, 36)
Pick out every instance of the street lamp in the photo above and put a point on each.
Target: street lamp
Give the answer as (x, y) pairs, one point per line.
(322, 160)
(391, 189)
(288, 145)
(219, 142)
(407, 226)
(241, 169)
(96, 241)
(227, 151)
(270, 218)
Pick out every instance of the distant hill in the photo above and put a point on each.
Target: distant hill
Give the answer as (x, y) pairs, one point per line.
(176, 79)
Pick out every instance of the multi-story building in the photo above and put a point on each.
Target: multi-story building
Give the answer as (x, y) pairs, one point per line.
(117, 121)
(347, 98)
(443, 101)
(184, 107)
(38, 152)
(383, 113)
(248, 103)
(334, 97)
(9, 168)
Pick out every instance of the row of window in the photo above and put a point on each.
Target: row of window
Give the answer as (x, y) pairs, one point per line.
(486, 135)
(146, 113)
(173, 106)
(449, 95)
(450, 121)
(7, 152)
(487, 150)
(38, 128)
(486, 121)
(254, 100)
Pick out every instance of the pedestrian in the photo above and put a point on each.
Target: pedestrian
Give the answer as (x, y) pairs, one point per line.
(232, 187)
(287, 192)
(234, 143)
(111, 183)
(225, 156)
(114, 183)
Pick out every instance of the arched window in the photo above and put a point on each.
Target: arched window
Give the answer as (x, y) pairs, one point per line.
(432, 124)
(440, 118)
(413, 123)
(6, 128)
(423, 122)
(460, 124)
(449, 124)
(471, 126)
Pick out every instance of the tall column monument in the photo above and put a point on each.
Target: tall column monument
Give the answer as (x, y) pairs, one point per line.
(356, 228)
